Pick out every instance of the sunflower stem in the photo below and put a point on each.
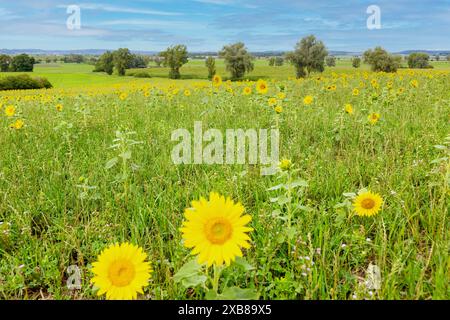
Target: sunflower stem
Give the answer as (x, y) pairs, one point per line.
(217, 273)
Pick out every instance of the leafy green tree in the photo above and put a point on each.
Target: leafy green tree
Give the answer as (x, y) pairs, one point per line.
(279, 61)
(137, 62)
(308, 56)
(380, 60)
(356, 62)
(238, 60)
(210, 63)
(272, 61)
(174, 58)
(418, 60)
(331, 61)
(105, 63)
(22, 63)
(122, 59)
(5, 61)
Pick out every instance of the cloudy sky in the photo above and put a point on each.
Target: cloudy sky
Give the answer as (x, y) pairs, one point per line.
(204, 25)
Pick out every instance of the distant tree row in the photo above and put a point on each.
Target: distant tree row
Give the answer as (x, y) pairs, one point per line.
(19, 63)
(120, 60)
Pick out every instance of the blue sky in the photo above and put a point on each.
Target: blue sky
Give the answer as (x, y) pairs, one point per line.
(204, 25)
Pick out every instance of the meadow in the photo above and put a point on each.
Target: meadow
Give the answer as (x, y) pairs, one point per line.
(88, 164)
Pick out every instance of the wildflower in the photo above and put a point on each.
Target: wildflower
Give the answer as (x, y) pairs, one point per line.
(262, 87)
(285, 165)
(348, 108)
(278, 109)
(247, 91)
(308, 100)
(216, 230)
(355, 92)
(217, 81)
(18, 124)
(374, 118)
(121, 272)
(10, 111)
(187, 93)
(272, 101)
(367, 204)
(59, 107)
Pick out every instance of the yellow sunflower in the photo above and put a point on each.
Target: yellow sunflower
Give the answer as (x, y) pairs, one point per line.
(414, 83)
(308, 100)
(367, 204)
(217, 81)
(247, 91)
(281, 95)
(262, 87)
(355, 92)
(123, 96)
(285, 165)
(10, 111)
(216, 229)
(348, 108)
(187, 93)
(18, 124)
(272, 101)
(121, 272)
(374, 118)
(59, 107)
(278, 109)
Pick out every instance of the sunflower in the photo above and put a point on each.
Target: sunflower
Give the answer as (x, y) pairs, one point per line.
(285, 165)
(373, 118)
(216, 229)
(123, 96)
(355, 92)
(59, 107)
(217, 81)
(187, 93)
(308, 100)
(18, 124)
(278, 109)
(367, 204)
(121, 272)
(262, 87)
(10, 111)
(348, 108)
(272, 101)
(281, 95)
(247, 91)
(414, 83)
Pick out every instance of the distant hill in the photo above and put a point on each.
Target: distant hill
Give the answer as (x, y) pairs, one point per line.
(205, 53)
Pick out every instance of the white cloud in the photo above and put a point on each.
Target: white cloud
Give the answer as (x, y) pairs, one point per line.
(101, 7)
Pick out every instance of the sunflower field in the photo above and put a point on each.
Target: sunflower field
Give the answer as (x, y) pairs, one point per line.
(92, 206)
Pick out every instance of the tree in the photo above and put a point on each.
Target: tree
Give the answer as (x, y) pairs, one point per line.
(448, 57)
(381, 60)
(137, 61)
(331, 61)
(438, 57)
(122, 59)
(105, 63)
(210, 63)
(272, 61)
(158, 61)
(418, 60)
(5, 61)
(356, 62)
(174, 58)
(238, 60)
(279, 61)
(309, 55)
(22, 63)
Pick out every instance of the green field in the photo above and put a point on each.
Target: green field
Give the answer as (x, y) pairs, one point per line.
(66, 194)
(81, 75)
